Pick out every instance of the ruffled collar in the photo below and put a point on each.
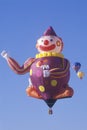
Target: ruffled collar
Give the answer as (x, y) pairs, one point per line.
(49, 54)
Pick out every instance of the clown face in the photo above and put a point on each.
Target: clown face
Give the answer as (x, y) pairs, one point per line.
(49, 44)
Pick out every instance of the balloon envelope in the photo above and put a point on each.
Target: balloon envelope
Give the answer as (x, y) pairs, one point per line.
(80, 74)
(76, 66)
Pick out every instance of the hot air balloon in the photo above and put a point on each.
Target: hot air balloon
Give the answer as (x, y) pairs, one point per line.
(76, 66)
(49, 70)
(80, 74)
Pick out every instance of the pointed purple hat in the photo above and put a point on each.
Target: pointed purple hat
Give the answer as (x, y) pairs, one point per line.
(49, 32)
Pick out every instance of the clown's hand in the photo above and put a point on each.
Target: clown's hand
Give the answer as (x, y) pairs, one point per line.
(4, 54)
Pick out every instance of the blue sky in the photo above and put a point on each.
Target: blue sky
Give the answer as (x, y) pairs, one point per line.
(21, 24)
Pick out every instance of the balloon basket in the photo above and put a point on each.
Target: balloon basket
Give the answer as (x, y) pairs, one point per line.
(50, 111)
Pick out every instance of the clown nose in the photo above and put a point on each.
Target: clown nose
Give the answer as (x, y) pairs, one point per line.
(46, 42)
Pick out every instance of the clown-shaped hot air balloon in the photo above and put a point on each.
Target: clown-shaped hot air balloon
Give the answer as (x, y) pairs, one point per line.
(49, 70)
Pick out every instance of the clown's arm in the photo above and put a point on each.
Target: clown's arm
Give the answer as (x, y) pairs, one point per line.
(25, 68)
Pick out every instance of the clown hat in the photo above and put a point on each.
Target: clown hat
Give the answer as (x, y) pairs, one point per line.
(49, 32)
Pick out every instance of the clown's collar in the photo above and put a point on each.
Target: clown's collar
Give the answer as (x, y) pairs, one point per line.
(49, 54)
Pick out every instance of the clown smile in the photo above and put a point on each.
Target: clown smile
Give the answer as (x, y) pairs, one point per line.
(47, 48)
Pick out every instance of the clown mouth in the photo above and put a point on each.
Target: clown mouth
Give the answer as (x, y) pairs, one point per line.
(48, 48)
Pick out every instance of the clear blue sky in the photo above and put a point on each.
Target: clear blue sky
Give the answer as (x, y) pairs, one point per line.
(22, 22)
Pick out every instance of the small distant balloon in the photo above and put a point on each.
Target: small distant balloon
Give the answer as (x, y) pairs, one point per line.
(76, 66)
(80, 74)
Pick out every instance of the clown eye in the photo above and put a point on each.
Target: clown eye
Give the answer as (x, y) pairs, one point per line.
(41, 40)
(51, 40)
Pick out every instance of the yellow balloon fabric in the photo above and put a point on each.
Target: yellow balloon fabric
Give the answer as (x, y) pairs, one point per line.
(80, 74)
